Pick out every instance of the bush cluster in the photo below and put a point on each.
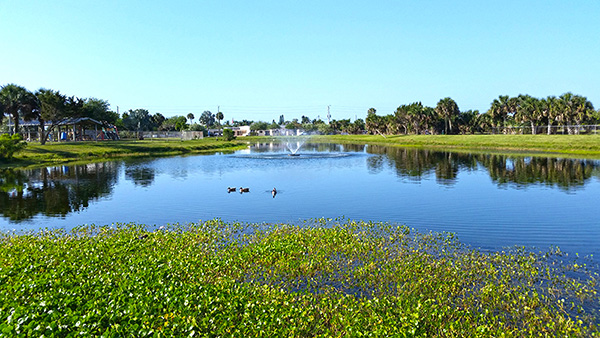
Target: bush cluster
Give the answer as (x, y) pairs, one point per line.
(9, 145)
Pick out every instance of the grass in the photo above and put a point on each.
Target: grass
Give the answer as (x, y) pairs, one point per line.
(73, 152)
(579, 146)
(327, 278)
(564, 145)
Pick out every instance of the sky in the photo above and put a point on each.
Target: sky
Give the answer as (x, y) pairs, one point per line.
(257, 60)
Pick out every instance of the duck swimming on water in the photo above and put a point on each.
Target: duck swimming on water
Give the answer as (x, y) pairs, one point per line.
(274, 192)
(229, 189)
(244, 190)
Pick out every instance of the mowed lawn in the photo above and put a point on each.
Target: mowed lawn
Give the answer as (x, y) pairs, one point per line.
(575, 145)
(60, 153)
(587, 146)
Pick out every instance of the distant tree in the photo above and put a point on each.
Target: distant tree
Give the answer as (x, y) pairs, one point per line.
(549, 105)
(414, 118)
(219, 117)
(502, 109)
(574, 110)
(157, 121)
(174, 123)
(273, 125)
(340, 125)
(259, 126)
(483, 123)
(228, 134)
(324, 129)
(98, 110)
(467, 121)
(309, 127)
(138, 120)
(356, 127)
(281, 120)
(207, 118)
(374, 123)
(243, 122)
(74, 107)
(294, 124)
(180, 123)
(197, 127)
(447, 109)
(190, 117)
(529, 110)
(52, 108)
(305, 119)
(18, 103)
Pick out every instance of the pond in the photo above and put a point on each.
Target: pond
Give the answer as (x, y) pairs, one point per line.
(490, 201)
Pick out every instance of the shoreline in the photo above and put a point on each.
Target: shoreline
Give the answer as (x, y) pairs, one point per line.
(567, 146)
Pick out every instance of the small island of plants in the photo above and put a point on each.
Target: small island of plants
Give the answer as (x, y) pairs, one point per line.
(323, 278)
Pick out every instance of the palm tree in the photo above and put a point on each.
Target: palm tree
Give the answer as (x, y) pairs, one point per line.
(503, 107)
(190, 117)
(219, 117)
(551, 111)
(528, 111)
(447, 109)
(583, 109)
(575, 109)
(18, 103)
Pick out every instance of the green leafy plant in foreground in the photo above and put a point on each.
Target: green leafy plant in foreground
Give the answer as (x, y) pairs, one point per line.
(9, 145)
(324, 278)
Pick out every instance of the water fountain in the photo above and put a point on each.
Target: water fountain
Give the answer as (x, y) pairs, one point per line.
(293, 147)
(289, 148)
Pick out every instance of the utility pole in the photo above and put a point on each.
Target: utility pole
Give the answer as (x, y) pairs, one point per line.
(328, 115)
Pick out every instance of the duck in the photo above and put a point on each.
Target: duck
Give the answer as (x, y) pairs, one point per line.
(274, 192)
(229, 189)
(244, 190)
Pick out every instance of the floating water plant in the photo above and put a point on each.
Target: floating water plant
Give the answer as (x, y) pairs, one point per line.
(324, 278)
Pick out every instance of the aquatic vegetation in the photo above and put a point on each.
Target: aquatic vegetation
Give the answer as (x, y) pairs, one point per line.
(322, 278)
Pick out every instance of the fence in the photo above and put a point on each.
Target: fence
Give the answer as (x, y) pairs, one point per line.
(564, 130)
(153, 135)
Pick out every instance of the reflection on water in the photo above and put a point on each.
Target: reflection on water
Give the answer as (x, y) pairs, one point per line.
(141, 175)
(415, 164)
(267, 147)
(55, 191)
(487, 199)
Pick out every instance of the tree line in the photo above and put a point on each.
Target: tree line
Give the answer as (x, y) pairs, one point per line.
(505, 113)
(51, 107)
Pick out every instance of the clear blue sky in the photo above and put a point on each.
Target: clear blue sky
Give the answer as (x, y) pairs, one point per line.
(260, 59)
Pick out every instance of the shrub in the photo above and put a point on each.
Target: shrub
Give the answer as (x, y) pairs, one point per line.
(228, 134)
(9, 145)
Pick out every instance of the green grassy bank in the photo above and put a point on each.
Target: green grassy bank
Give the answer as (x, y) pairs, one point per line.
(71, 152)
(568, 145)
(61, 153)
(327, 278)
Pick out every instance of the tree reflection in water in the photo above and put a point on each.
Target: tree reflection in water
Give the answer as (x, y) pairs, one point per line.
(140, 175)
(414, 164)
(59, 191)
(54, 191)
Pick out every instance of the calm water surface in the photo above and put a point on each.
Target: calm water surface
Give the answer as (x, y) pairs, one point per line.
(489, 201)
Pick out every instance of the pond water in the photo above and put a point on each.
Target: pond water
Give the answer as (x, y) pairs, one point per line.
(490, 201)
